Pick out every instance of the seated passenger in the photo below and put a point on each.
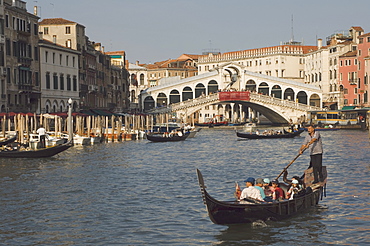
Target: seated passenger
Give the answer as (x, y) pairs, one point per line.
(267, 188)
(286, 180)
(278, 193)
(293, 190)
(250, 191)
(259, 184)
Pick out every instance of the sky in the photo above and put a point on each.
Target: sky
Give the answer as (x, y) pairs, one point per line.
(157, 30)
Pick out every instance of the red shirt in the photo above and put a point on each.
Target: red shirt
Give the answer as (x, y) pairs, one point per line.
(278, 193)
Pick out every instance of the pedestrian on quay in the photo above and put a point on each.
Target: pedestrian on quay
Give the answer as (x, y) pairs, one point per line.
(314, 143)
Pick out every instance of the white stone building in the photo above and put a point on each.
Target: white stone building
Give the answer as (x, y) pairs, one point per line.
(59, 77)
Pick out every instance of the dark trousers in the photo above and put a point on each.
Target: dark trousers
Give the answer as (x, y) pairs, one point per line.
(316, 162)
(42, 141)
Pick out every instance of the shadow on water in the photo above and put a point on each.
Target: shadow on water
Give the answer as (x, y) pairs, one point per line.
(299, 230)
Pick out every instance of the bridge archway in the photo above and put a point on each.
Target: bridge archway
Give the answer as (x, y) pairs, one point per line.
(148, 103)
(212, 86)
(315, 100)
(250, 85)
(161, 100)
(187, 93)
(289, 94)
(200, 89)
(302, 97)
(276, 91)
(263, 88)
(174, 96)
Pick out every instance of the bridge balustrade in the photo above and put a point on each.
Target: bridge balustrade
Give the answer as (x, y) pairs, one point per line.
(215, 98)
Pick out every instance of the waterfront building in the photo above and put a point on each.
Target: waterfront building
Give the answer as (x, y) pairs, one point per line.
(102, 86)
(183, 67)
(3, 91)
(120, 80)
(282, 61)
(363, 52)
(138, 83)
(322, 66)
(20, 91)
(59, 77)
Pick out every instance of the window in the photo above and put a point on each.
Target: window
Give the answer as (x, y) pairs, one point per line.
(54, 39)
(53, 58)
(68, 82)
(8, 47)
(46, 30)
(35, 29)
(47, 80)
(73, 61)
(345, 102)
(68, 30)
(37, 83)
(74, 83)
(60, 59)
(69, 43)
(46, 56)
(36, 51)
(67, 61)
(6, 20)
(61, 82)
(55, 80)
(368, 39)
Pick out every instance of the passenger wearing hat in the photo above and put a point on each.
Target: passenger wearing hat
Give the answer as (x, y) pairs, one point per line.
(259, 185)
(286, 180)
(250, 191)
(293, 190)
(278, 193)
(267, 188)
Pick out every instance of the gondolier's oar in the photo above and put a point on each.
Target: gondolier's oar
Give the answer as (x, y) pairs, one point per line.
(301, 152)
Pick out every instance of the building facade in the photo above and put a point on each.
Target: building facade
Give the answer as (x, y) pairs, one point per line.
(21, 88)
(59, 77)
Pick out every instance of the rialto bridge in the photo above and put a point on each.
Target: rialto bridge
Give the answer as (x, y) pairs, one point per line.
(198, 98)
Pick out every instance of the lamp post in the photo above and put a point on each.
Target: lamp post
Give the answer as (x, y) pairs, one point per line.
(70, 131)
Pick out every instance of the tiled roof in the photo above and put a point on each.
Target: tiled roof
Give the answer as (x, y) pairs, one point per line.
(56, 21)
(349, 54)
(364, 35)
(357, 28)
(115, 53)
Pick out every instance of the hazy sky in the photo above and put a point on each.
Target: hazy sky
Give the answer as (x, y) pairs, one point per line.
(156, 30)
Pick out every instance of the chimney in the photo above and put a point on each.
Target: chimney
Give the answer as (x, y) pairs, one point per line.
(35, 10)
(319, 43)
(137, 63)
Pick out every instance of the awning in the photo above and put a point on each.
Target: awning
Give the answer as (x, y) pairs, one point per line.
(348, 107)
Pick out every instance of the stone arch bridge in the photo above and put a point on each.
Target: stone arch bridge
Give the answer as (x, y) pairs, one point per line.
(234, 92)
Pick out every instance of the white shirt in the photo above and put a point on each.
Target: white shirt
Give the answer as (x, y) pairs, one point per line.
(41, 131)
(251, 192)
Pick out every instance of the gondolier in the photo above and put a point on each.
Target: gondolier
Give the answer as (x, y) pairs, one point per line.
(42, 135)
(314, 143)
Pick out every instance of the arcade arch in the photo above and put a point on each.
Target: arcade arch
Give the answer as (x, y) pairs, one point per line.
(263, 88)
(200, 89)
(250, 85)
(174, 96)
(187, 93)
(276, 91)
(289, 94)
(161, 100)
(212, 86)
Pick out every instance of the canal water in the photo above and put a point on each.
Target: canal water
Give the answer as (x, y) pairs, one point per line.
(143, 193)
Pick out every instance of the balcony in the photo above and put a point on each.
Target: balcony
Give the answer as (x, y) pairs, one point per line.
(25, 88)
(353, 81)
(24, 61)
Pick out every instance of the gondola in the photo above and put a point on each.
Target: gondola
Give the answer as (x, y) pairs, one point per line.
(262, 136)
(38, 153)
(212, 124)
(8, 141)
(167, 138)
(235, 212)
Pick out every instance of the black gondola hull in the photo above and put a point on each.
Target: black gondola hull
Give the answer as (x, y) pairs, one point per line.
(234, 212)
(161, 138)
(39, 153)
(259, 136)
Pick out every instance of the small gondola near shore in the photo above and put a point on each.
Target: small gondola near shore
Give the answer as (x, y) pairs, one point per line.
(38, 153)
(284, 134)
(167, 137)
(250, 210)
